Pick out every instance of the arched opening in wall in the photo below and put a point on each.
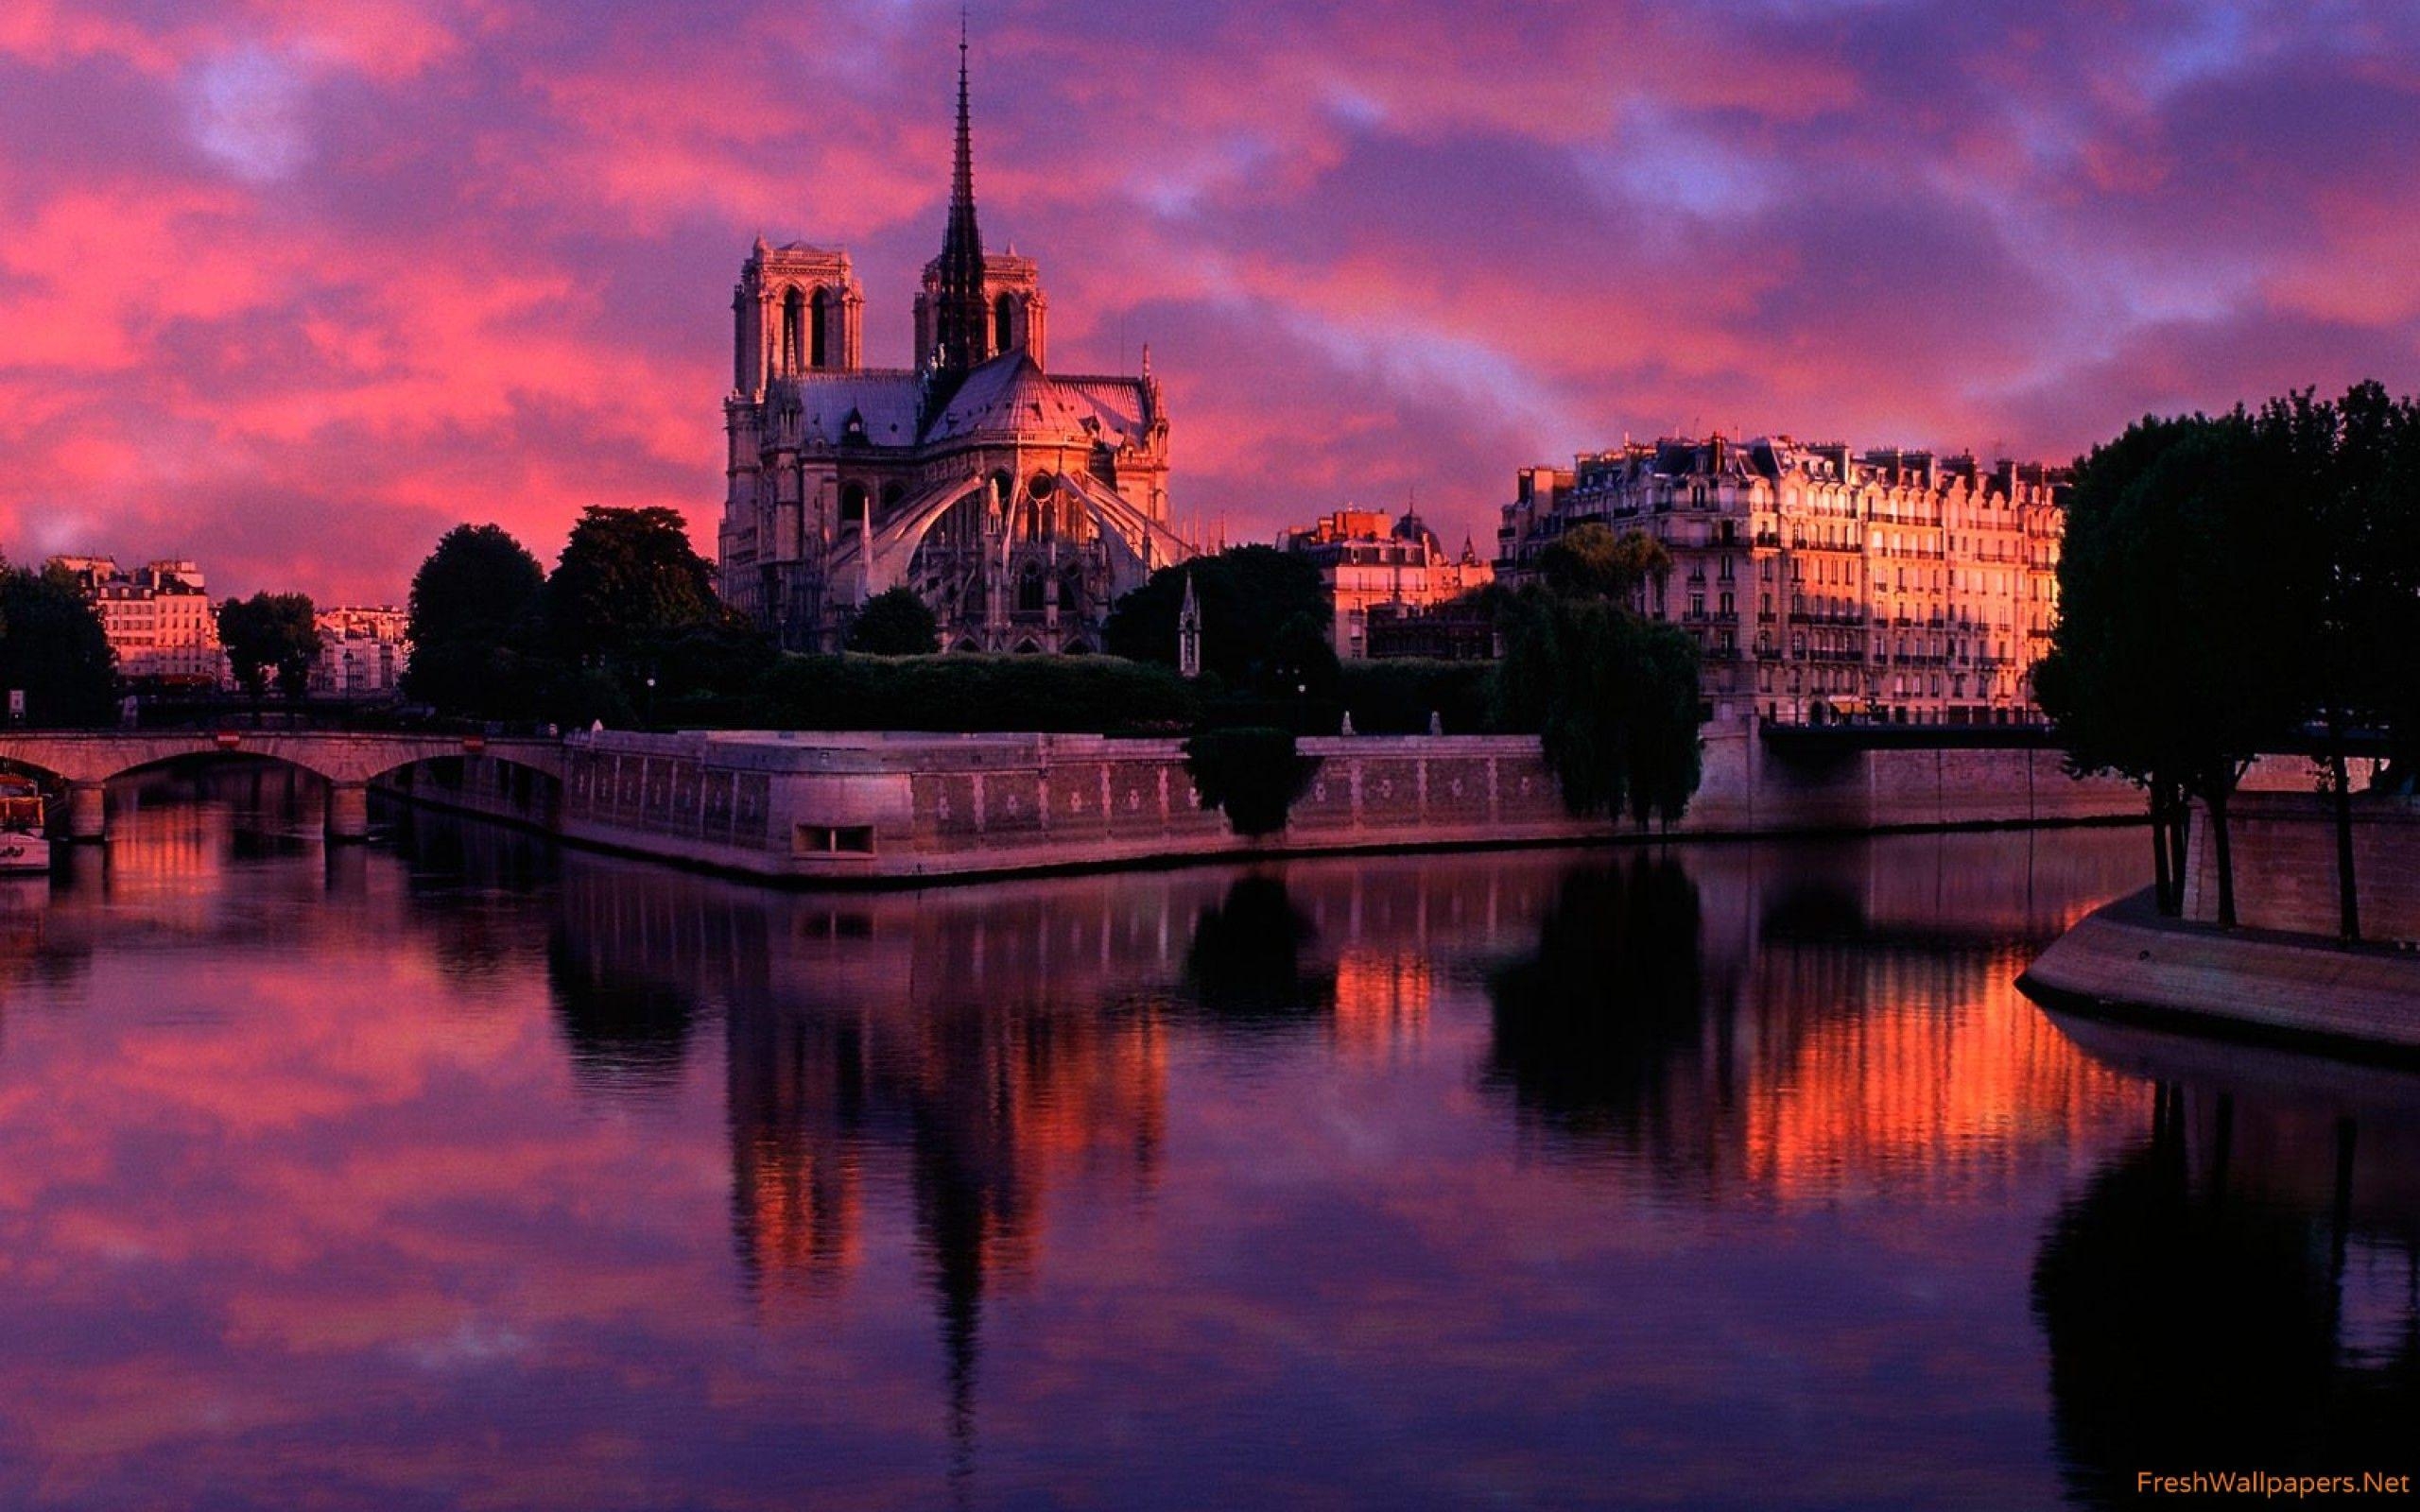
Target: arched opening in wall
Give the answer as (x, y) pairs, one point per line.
(893, 493)
(1077, 647)
(740, 377)
(1104, 463)
(1004, 315)
(1030, 592)
(793, 316)
(817, 307)
(1004, 488)
(852, 505)
(967, 648)
(1071, 589)
(1028, 648)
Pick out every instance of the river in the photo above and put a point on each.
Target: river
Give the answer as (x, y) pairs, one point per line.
(456, 1171)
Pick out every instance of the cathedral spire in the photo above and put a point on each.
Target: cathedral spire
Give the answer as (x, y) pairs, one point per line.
(960, 325)
(961, 180)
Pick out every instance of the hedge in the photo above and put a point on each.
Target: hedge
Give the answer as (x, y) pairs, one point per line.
(1395, 697)
(1072, 695)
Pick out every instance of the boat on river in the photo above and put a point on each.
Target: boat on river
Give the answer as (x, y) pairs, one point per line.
(23, 846)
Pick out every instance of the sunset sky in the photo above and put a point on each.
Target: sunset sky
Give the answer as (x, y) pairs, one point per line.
(292, 285)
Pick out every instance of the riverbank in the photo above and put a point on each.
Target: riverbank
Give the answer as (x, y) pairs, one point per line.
(909, 809)
(2126, 961)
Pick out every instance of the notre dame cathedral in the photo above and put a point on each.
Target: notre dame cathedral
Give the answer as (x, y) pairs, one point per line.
(1019, 504)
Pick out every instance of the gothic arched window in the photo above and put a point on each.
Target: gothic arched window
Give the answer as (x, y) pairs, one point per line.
(1003, 323)
(1029, 593)
(816, 308)
(793, 315)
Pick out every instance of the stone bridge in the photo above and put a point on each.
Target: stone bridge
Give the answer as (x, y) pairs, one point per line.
(85, 761)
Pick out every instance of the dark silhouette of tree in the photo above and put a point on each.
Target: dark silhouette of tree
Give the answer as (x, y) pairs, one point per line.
(2349, 483)
(1590, 562)
(1248, 594)
(627, 579)
(53, 649)
(1251, 774)
(473, 604)
(1302, 659)
(633, 620)
(1612, 696)
(896, 622)
(2184, 643)
(1663, 755)
(270, 636)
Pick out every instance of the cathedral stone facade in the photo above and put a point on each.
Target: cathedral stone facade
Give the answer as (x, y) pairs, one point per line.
(1017, 503)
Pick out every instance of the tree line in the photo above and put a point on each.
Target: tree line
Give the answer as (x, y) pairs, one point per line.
(2238, 584)
(628, 627)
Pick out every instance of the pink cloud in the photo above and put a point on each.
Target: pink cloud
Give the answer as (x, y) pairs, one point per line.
(407, 262)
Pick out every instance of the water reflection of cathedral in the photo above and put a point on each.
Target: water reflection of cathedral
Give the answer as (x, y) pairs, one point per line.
(1711, 1019)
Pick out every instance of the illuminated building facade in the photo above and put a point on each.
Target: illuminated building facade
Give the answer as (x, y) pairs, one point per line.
(1822, 583)
(363, 651)
(1375, 564)
(158, 618)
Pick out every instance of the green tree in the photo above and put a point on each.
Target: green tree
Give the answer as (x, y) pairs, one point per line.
(1612, 696)
(270, 636)
(1662, 756)
(473, 606)
(632, 601)
(53, 649)
(1251, 774)
(1301, 660)
(2184, 644)
(1590, 562)
(2349, 481)
(2391, 628)
(1247, 593)
(627, 579)
(2097, 682)
(896, 622)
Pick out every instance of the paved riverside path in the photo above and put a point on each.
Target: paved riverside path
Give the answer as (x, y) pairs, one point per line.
(85, 761)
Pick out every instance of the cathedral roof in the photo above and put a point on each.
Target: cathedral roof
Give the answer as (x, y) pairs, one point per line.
(1010, 394)
(884, 399)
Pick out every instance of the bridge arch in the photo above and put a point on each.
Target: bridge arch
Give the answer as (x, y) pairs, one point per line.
(85, 762)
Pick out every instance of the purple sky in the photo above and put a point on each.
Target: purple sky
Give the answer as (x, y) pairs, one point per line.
(292, 285)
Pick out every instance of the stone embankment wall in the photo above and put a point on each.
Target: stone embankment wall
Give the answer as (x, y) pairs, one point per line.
(2124, 959)
(898, 807)
(2284, 847)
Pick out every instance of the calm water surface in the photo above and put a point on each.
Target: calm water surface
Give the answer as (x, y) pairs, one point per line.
(451, 1171)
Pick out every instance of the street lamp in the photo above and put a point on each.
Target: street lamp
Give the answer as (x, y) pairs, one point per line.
(650, 700)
